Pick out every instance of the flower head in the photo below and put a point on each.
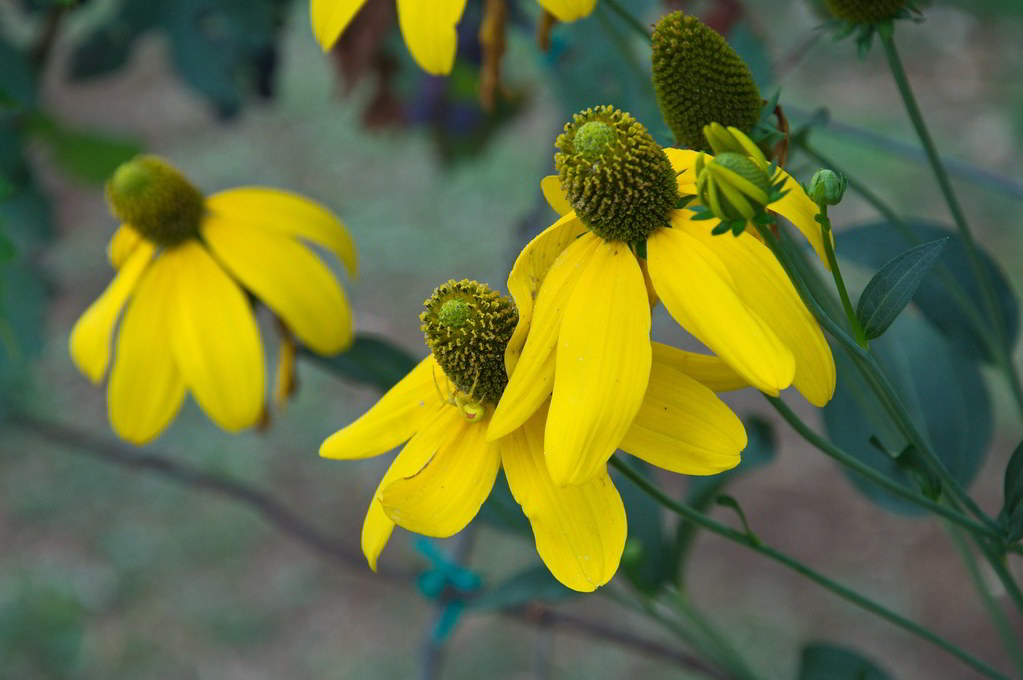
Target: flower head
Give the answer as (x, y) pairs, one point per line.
(184, 265)
(448, 464)
(428, 26)
(699, 79)
(583, 338)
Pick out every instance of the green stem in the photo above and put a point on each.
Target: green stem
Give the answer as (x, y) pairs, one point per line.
(997, 614)
(713, 636)
(887, 483)
(980, 272)
(829, 250)
(842, 591)
(631, 21)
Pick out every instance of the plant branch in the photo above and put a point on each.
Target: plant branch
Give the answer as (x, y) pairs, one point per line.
(102, 449)
(844, 592)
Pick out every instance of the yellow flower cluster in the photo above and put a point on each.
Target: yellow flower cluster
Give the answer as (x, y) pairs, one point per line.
(546, 384)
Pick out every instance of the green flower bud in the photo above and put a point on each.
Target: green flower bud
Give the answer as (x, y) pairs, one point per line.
(617, 178)
(467, 327)
(733, 186)
(158, 201)
(699, 79)
(826, 187)
(866, 11)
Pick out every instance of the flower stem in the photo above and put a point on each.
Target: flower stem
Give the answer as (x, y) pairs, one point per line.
(829, 250)
(846, 593)
(879, 479)
(980, 272)
(624, 14)
(998, 618)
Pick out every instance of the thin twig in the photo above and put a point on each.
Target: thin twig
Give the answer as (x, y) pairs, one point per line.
(544, 617)
(283, 519)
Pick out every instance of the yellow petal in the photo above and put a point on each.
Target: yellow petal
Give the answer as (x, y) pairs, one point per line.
(282, 212)
(683, 427)
(528, 273)
(89, 343)
(683, 162)
(603, 364)
(442, 498)
(555, 195)
(579, 530)
(429, 32)
(215, 340)
(289, 278)
(698, 291)
(706, 369)
(797, 208)
(568, 10)
(122, 244)
(532, 378)
(146, 388)
(765, 289)
(404, 410)
(330, 17)
(377, 527)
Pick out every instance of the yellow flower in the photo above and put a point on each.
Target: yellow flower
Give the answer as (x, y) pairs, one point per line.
(442, 410)
(184, 266)
(581, 291)
(428, 26)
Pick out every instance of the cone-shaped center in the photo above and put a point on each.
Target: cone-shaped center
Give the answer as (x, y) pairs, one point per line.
(593, 139)
(153, 197)
(467, 326)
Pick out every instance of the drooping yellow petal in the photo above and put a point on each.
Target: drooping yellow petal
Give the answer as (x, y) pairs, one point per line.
(555, 195)
(699, 292)
(683, 427)
(797, 208)
(579, 530)
(404, 410)
(215, 339)
(429, 32)
(568, 10)
(289, 278)
(705, 369)
(763, 286)
(532, 376)
(442, 498)
(330, 17)
(602, 365)
(283, 212)
(146, 388)
(377, 527)
(528, 274)
(122, 244)
(89, 343)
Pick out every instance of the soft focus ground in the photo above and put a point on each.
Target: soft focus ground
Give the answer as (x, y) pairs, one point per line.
(172, 583)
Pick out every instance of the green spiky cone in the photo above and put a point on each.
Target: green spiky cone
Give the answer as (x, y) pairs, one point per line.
(617, 178)
(866, 11)
(699, 79)
(158, 201)
(467, 326)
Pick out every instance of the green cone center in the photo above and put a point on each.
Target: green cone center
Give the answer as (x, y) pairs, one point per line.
(158, 201)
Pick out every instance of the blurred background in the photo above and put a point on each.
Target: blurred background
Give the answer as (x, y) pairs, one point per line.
(109, 572)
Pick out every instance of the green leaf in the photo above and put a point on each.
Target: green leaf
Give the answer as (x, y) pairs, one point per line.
(17, 77)
(647, 559)
(869, 245)
(822, 661)
(1011, 515)
(945, 394)
(891, 289)
(533, 584)
(89, 156)
(371, 360)
(6, 248)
